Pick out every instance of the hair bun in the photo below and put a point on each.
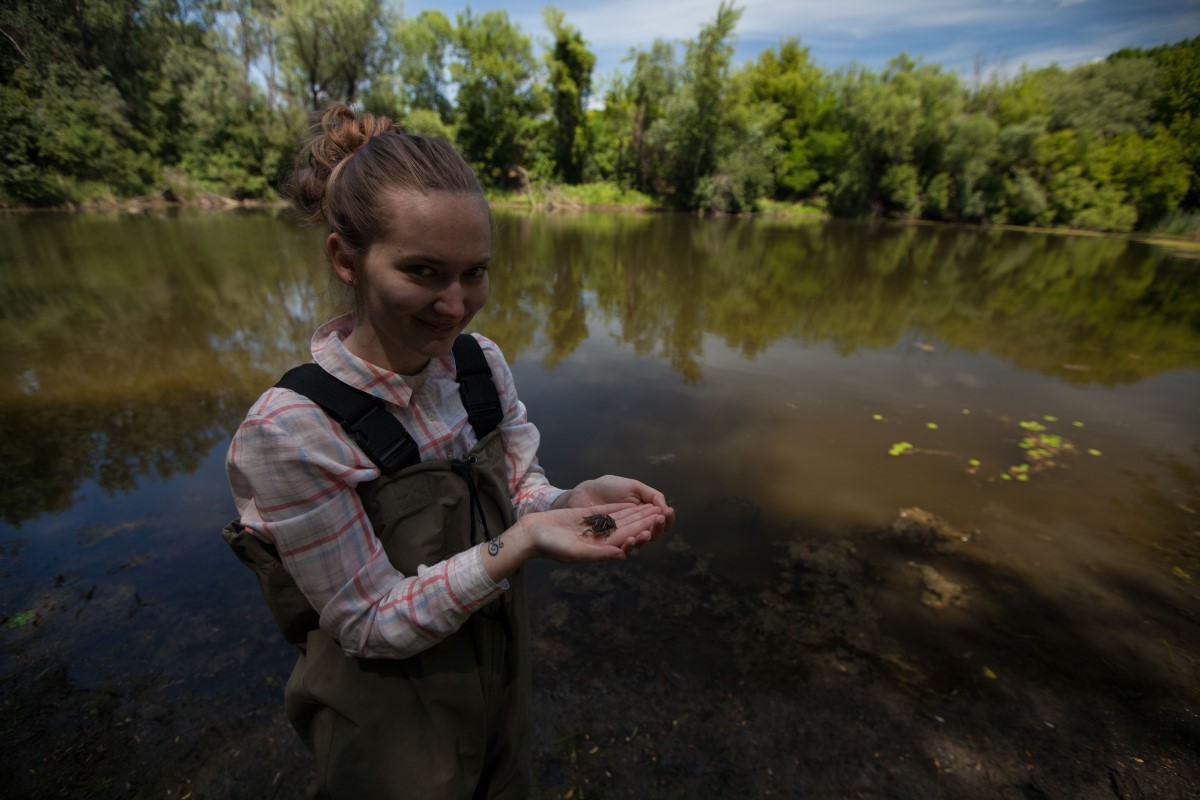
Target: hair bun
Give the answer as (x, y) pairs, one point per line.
(342, 134)
(339, 135)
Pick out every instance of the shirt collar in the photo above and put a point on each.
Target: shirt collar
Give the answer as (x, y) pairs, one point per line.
(330, 352)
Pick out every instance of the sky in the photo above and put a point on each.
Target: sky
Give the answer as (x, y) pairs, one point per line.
(999, 35)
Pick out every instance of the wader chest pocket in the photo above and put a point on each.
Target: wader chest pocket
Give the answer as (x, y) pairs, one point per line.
(404, 498)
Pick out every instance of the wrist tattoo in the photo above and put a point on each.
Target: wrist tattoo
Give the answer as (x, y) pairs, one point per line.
(494, 546)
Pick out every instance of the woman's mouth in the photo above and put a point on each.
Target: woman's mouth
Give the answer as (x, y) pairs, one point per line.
(440, 328)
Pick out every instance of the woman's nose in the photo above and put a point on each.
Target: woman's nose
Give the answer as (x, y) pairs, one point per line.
(450, 301)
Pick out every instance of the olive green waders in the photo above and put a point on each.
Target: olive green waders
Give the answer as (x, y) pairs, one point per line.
(449, 722)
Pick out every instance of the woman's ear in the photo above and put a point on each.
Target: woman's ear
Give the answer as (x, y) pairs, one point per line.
(340, 260)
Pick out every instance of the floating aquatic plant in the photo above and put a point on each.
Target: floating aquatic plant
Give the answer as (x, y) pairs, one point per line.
(1043, 449)
(20, 620)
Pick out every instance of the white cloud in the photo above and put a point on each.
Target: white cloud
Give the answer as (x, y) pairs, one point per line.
(639, 22)
(953, 33)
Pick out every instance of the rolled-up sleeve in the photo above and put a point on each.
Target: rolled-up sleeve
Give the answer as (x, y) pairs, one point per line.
(528, 485)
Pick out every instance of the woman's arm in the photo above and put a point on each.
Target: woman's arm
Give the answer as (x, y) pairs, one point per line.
(527, 483)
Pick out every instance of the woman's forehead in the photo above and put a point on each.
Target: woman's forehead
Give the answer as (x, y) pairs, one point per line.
(449, 224)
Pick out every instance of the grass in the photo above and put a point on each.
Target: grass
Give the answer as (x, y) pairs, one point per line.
(606, 195)
(791, 209)
(602, 194)
(1180, 223)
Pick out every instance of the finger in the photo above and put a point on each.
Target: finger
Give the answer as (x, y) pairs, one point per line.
(605, 552)
(634, 513)
(639, 532)
(648, 494)
(656, 497)
(651, 496)
(608, 508)
(651, 517)
(668, 519)
(637, 542)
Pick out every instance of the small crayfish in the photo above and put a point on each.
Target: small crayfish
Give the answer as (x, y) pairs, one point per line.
(599, 525)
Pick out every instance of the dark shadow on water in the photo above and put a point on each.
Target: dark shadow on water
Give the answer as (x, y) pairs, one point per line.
(835, 679)
(662, 678)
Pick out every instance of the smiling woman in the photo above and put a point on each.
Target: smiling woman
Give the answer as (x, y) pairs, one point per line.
(419, 287)
(389, 547)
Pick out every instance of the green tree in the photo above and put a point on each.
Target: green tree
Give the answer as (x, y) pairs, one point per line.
(654, 78)
(788, 85)
(746, 164)
(497, 100)
(893, 120)
(686, 138)
(253, 41)
(79, 118)
(326, 49)
(570, 64)
(231, 140)
(1074, 197)
(1152, 173)
(969, 163)
(424, 44)
(1104, 99)
(1179, 103)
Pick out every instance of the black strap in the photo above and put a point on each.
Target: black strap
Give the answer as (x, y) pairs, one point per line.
(362, 415)
(372, 426)
(475, 386)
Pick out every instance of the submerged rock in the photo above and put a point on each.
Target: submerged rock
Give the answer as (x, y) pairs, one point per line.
(920, 528)
(940, 592)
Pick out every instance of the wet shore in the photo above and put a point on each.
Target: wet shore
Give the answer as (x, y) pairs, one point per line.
(908, 662)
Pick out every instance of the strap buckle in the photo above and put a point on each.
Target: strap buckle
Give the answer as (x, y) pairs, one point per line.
(480, 398)
(375, 433)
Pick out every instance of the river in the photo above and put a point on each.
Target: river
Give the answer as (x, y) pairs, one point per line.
(790, 385)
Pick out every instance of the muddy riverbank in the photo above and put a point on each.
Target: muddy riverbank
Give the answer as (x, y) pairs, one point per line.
(909, 662)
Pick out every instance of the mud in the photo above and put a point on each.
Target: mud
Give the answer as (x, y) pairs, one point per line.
(911, 662)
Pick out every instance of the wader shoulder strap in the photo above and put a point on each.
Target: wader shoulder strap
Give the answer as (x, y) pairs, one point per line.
(362, 415)
(475, 386)
(377, 432)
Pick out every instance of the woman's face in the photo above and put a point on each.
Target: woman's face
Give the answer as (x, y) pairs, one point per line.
(420, 286)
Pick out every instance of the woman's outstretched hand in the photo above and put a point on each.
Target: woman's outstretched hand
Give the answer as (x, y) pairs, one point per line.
(585, 534)
(615, 489)
(574, 529)
(574, 535)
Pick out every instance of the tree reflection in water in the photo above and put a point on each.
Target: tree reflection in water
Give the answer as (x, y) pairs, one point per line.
(133, 345)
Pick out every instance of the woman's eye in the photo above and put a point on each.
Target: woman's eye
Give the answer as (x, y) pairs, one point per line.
(419, 271)
(476, 272)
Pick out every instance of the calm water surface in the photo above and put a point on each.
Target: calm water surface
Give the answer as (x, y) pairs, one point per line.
(758, 372)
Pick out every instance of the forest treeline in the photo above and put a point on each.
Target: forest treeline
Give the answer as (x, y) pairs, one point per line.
(109, 99)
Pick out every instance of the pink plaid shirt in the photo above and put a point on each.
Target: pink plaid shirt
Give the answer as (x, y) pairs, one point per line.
(293, 471)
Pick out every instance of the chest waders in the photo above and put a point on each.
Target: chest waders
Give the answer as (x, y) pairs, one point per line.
(453, 720)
